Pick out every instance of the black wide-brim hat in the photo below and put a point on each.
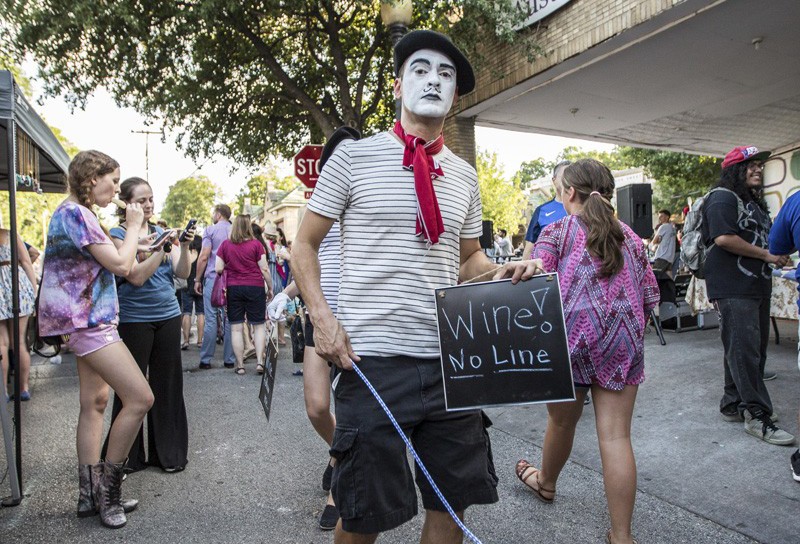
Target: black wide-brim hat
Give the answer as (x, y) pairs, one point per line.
(428, 39)
(339, 135)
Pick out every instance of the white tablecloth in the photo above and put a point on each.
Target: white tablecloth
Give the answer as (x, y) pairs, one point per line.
(783, 304)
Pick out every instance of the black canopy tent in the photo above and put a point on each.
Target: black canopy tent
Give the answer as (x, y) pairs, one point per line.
(32, 159)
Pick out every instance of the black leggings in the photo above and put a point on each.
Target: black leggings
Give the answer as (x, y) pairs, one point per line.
(156, 347)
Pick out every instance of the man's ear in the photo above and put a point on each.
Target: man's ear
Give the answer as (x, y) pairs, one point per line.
(398, 88)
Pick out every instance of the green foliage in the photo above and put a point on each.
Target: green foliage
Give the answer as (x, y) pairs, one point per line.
(256, 187)
(503, 200)
(678, 176)
(531, 170)
(190, 198)
(248, 79)
(614, 159)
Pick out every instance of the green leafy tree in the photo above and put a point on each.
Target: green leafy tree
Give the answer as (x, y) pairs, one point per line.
(503, 200)
(248, 79)
(256, 187)
(614, 159)
(190, 198)
(678, 176)
(531, 170)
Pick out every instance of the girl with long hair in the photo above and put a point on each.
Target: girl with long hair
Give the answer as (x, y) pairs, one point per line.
(150, 326)
(79, 298)
(608, 290)
(248, 273)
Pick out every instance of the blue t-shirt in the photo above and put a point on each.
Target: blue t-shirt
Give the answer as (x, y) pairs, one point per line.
(153, 301)
(547, 213)
(784, 236)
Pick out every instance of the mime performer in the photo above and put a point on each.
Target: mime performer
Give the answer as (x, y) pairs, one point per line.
(410, 216)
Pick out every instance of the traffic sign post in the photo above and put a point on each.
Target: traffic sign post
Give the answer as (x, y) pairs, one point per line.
(306, 165)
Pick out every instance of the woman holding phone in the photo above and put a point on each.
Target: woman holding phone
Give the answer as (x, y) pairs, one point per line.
(150, 325)
(78, 298)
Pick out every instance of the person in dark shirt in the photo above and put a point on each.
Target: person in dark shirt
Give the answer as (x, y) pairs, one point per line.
(736, 226)
(549, 212)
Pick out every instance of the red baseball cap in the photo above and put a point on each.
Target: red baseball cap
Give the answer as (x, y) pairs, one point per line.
(744, 153)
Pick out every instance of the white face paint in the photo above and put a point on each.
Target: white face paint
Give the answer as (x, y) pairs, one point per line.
(428, 85)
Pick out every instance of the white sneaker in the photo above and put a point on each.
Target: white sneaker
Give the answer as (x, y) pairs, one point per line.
(761, 426)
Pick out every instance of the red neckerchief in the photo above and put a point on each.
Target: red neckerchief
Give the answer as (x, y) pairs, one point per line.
(418, 156)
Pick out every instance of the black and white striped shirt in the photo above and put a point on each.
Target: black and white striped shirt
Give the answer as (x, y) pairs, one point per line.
(388, 274)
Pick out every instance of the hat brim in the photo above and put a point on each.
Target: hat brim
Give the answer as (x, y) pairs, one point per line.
(339, 135)
(428, 39)
(760, 156)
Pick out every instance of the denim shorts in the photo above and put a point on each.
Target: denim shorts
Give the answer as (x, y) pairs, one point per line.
(372, 483)
(188, 299)
(250, 300)
(85, 341)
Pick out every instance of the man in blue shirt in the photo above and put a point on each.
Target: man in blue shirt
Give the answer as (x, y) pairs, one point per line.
(204, 284)
(784, 239)
(549, 212)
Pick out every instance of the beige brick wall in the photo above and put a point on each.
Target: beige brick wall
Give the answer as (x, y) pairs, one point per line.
(577, 27)
(459, 136)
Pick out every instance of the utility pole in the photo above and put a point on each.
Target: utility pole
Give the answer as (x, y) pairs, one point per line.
(147, 134)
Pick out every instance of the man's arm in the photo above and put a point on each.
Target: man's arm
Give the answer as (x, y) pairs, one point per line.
(202, 262)
(330, 338)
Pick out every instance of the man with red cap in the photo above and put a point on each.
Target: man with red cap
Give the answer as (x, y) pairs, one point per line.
(736, 227)
(410, 216)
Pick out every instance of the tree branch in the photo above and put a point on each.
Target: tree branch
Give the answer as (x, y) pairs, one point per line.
(322, 120)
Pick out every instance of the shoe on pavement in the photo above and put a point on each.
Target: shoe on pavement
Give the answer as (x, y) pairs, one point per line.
(796, 466)
(329, 518)
(769, 376)
(761, 426)
(731, 413)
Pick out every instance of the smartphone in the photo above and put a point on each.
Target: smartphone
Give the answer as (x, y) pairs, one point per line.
(189, 225)
(166, 235)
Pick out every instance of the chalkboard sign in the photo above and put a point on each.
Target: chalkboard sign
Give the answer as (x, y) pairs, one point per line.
(503, 344)
(268, 378)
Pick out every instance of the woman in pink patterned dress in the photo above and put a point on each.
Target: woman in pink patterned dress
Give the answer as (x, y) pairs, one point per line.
(608, 289)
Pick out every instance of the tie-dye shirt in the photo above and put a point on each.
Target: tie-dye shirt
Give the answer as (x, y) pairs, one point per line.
(77, 292)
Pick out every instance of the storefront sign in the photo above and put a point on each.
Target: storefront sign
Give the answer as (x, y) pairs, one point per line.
(536, 10)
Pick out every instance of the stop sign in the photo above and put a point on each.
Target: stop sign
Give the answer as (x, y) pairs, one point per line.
(306, 165)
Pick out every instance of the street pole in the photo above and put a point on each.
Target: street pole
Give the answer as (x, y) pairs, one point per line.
(396, 16)
(147, 134)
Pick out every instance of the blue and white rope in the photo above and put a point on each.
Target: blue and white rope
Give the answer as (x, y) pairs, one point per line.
(439, 494)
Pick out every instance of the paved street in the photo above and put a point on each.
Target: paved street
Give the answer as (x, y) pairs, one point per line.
(701, 480)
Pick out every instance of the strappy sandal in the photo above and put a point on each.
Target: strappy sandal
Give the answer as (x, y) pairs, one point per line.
(608, 538)
(259, 368)
(521, 468)
(240, 371)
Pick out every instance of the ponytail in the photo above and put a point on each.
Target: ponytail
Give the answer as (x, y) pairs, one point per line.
(594, 184)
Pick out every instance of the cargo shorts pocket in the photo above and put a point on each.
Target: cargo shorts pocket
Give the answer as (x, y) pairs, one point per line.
(489, 457)
(347, 483)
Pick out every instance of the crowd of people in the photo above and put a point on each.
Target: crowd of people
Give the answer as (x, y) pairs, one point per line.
(393, 217)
